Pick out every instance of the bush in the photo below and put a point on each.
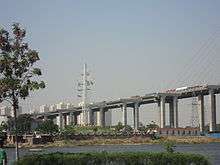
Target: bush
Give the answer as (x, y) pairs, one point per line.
(169, 146)
(104, 158)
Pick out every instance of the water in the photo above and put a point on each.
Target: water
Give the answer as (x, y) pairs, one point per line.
(212, 150)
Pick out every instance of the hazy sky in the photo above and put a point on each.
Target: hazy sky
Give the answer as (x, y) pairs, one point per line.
(132, 47)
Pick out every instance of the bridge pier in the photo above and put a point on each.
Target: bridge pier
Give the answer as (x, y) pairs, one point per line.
(91, 117)
(75, 119)
(124, 114)
(162, 111)
(136, 116)
(45, 118)
(102, 117)
(60, 121)
(212, 99)
(69, 118)
(175, 106)
(64, 120)
(201, 113)
(171, 113)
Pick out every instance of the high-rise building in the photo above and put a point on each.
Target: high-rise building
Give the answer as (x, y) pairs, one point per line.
(44, 108)
(52, 108)
(69, 106)
(61, 105)
(19, 111)
(5, 111)
(8, 111)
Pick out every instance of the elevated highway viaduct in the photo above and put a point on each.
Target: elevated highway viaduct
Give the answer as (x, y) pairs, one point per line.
(69, 116)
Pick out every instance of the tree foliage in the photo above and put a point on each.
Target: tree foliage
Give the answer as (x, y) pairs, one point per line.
(18, 76)
(119, 126)
(23, 124)
(48, 127)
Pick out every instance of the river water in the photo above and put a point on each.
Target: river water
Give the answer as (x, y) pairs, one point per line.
(211, 150)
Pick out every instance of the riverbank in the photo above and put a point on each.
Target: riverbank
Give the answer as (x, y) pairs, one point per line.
(125, 141)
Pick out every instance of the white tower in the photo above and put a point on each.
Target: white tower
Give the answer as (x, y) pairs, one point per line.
(83, 87)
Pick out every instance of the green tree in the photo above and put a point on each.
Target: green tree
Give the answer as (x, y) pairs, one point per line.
(48, 127)
(152, 125)
(119, 126)
(18, 74)
(24, 122)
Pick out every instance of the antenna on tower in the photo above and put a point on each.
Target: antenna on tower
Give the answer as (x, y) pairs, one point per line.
(83, 87)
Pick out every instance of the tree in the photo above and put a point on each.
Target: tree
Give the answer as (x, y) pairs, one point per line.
(18, 75)
(48, 127)
(119, 126)
(152, 125)
(24, 122)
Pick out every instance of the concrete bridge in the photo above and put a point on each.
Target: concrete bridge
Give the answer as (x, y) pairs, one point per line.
(69, 116)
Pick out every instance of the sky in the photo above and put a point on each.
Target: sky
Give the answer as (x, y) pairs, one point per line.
(132, 47)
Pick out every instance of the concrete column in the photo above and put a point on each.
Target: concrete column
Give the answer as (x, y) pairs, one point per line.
(75, 119)
(71, 118)
(136, 116)
(91, 117)
(60, 124)
(201, 113)
(212, 126)
(162, 112)
(45, 118)
(171, 114)
(175, 112)
(102, 117)
(124, 114)
(64, 120)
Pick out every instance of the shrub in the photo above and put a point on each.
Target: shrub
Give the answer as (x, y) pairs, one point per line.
(104, 158)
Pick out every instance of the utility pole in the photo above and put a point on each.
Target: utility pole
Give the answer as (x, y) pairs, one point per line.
(83, 88)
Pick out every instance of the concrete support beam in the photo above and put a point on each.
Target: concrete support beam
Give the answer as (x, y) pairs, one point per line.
(75, 119)
(45, 118)
(60, 123)
(102, 117)
(136, 116)
(124, 114)
(201, 113)
(162, 112)
(212, 99)
(175, 112)
(91, 117)
(171, 114)
(70, 122)
(64, 120)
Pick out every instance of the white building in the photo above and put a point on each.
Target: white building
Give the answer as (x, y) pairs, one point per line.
(3, 119)
(52, 108)
(8, 111)
(61, 105)
(69, 106)
(5, 111)
(44, 108)
(19, 111)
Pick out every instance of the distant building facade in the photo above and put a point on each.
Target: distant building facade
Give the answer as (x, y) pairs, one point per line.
(44, 108)
(61, 105)
(7, 112)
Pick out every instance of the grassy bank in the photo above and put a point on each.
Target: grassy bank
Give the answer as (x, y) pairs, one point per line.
(128, 158)
(125, 141)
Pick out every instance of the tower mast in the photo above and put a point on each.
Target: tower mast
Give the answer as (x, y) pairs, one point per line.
(83, 87)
